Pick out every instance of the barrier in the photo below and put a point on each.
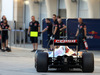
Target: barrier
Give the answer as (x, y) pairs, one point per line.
(93, 31)
(12, 41)
(21, 35)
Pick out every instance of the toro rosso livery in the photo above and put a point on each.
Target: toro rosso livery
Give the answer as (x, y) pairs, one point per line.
(64, 58)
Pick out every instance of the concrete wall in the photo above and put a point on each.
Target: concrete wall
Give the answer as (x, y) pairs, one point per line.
(51, 6)
(18, 13)
(87, 8)
(26, 15)
(34, 9)
(42, 12)
(48, 7)
(0, 7)
(62, 4)
(71, 8)
(83, 9)
(94, 8)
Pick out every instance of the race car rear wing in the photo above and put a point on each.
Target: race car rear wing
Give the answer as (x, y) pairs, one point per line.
(65, 42)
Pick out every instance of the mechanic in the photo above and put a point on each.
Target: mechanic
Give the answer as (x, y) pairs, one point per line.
(4, 28)
(34, 29)
(3, 18)
(55, 27)
(49, 31)
(58, 17)
(81, 34)
(62, 27)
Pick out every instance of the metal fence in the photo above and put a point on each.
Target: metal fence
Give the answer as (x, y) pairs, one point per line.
(19, 38)
(16, 37)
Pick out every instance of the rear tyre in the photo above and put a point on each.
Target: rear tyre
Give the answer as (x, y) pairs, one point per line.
(37, 51)
(42, 62)
(88, 62)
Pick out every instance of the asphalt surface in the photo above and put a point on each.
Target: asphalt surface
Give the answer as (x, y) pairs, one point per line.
(21, 62)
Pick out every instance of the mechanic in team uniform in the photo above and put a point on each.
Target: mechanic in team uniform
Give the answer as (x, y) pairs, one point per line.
(58, 17)
(56, 32)
(81, 34)
(5, 27)
(34, 27)
(3, 18)
(62, 27)
(1, 23)
(49, 31)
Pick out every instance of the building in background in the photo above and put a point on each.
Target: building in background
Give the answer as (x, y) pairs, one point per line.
(21, 10)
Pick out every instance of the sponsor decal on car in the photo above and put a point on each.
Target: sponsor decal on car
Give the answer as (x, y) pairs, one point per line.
(65, 41)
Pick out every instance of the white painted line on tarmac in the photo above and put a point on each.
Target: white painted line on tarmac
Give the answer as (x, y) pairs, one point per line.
(20, 48)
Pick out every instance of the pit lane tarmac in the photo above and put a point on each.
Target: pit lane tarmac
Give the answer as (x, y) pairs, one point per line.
(21, 62)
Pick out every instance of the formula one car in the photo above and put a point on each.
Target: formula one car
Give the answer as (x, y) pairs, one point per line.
(63, 58)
